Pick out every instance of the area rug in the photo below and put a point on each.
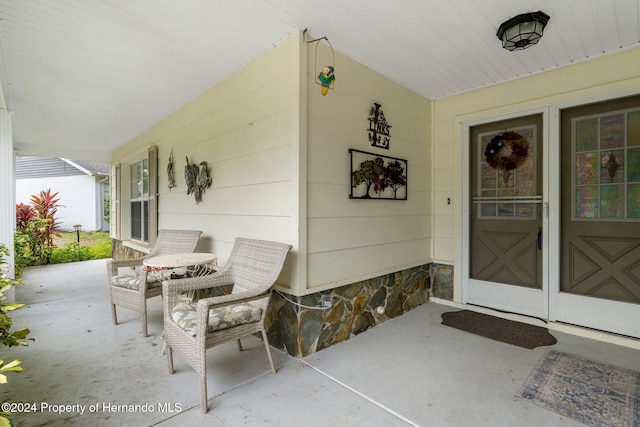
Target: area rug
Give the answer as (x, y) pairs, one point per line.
(507, 331)
(594, 393)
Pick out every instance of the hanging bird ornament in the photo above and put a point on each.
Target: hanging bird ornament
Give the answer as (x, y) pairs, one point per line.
(191, 175)
(197, 179)
(326, 78)
(203, 181)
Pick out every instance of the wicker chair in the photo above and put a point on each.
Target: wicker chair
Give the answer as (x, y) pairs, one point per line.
(132, 290)
(190, 328)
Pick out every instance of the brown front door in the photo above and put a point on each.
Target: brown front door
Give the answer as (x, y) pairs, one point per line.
(505, 215)
(600, 214)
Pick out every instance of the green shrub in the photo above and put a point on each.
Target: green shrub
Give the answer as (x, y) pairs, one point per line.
(7, 337)
(70, 254)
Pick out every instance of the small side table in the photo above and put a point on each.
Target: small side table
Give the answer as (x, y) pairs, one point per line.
(181, 260)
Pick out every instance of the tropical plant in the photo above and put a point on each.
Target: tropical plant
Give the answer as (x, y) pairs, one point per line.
(7, 337)
(23, 214)
(46, 205)
(36, 225)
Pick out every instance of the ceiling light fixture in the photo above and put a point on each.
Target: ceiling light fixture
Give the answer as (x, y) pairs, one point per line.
(522, 31)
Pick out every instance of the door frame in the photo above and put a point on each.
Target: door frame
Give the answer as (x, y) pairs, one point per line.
(574, 309)
(531, 302)
(565, 308)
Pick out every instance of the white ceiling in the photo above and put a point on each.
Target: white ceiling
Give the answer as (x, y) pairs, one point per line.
(84, 77)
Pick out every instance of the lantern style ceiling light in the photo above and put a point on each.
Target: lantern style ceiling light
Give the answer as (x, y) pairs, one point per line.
(522, 31)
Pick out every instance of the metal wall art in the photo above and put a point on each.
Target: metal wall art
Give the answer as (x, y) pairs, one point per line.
(379, 134)
(197, 178)
(171, 177)
(377, 177)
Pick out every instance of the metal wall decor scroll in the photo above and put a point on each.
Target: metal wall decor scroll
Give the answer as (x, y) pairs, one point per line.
(379, 134)
(197, 179)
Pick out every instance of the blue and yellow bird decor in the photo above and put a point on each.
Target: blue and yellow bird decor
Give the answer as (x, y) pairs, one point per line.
(326, 78)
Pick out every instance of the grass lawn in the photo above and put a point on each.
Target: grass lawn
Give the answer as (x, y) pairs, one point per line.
(95, 245)
(91, 240)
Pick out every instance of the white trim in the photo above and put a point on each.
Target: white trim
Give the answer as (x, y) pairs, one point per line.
(534, 302)
(340, 283)
(77, 166)
(585, 311)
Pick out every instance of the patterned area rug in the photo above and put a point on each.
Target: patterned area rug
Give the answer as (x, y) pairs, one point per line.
(594, 393)
(496, 328)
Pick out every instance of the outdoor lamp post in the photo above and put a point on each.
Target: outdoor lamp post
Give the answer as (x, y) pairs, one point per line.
(77, 229)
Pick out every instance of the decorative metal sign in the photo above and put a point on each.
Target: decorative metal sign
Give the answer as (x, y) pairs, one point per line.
(379, 134)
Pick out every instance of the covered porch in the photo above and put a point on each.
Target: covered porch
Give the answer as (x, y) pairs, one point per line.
(410, 370)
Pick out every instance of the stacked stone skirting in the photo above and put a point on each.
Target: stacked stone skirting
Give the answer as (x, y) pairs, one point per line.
(296, 326)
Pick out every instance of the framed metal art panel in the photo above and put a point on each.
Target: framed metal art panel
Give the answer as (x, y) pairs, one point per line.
(377, 177)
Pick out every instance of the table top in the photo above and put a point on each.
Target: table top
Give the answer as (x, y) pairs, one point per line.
(180, 260)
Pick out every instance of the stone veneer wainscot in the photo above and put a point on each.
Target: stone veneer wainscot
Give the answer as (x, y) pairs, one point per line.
(302, 331)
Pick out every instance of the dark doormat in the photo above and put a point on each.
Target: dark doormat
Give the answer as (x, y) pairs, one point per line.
(495, 328)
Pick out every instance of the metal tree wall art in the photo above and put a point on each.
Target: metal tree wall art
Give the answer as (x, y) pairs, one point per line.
(385, 176)
(379, 134)
(197, 179)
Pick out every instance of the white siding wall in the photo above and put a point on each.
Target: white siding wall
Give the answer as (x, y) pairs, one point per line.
(78, 194)
(351, 240)
(244, 128)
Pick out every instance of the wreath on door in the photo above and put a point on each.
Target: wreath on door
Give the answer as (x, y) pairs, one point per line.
(507, 151)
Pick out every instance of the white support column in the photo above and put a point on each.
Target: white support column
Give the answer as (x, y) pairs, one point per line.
(7, 189)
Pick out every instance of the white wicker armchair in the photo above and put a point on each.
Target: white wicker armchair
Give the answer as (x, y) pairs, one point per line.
(132, 289)
(190, 328)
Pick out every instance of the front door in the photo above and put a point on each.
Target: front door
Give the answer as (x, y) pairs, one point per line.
(600, 216)
(506, 244)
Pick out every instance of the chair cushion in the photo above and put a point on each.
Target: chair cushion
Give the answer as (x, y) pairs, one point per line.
(184, 315)
(132, 281)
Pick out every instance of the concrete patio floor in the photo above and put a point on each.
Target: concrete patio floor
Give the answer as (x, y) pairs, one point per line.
(408, 371)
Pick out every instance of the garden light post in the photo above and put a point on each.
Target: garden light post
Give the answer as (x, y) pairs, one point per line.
(77, 228)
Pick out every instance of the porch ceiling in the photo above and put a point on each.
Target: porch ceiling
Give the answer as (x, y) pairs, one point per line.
(84, 77)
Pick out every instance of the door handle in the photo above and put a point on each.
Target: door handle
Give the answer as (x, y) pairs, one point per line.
(540, 238)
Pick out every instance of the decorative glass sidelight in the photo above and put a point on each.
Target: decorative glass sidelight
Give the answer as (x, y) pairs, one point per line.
(606, 166)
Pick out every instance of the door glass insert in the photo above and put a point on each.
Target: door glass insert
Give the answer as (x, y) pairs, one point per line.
(600, 200)
(606, 166)
(506, 174)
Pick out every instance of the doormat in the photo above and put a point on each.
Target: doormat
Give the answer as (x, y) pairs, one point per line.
(594, 393)
(507, 331)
